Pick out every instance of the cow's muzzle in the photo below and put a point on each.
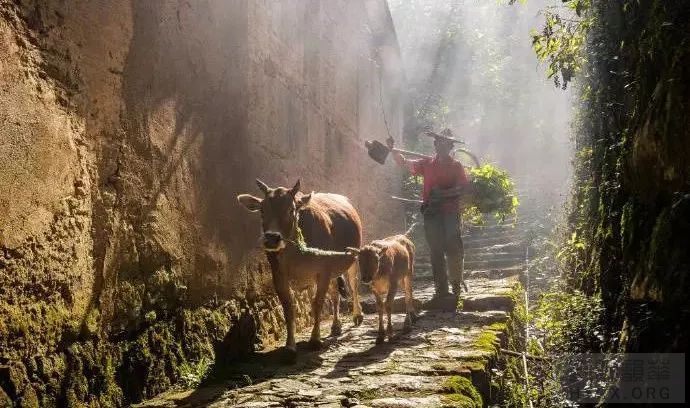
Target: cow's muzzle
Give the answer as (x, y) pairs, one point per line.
(273, 241)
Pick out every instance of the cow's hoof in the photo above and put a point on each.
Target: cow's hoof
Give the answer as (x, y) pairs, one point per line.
(288, 355)
(336, 330)
(381, 338)
(315, 344)
(358, 319)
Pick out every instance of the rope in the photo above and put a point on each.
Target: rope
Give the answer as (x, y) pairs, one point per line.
(302, 248)
(379, 65)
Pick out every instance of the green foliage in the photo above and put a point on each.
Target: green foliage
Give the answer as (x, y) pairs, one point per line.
(194, 373)
(493, 191)
(570, 321)
(623, 249)
(561, 42)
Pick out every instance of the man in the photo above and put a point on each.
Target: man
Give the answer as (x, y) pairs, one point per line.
(444, 180)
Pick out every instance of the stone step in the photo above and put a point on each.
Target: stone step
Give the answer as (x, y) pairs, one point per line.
(510, 246)
(483, 318)
(476, 242)
(494, 264)
(488, 256)
(495, 231)
(487, 302)
(498, 228)
(495, 273)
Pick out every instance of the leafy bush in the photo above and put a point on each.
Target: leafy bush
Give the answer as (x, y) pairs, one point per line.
(492, 192)
(570, 320)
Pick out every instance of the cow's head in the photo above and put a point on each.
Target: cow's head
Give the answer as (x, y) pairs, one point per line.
(279, 213)
(369, 259)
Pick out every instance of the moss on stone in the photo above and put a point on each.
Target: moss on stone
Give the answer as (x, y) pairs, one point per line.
(498, 327)
(461, 393)
(475, 365)
(487, 341)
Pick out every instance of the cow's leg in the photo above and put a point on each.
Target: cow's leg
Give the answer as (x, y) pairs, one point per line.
(390, 297)
(409, 305)
(379, 307)
(353, 278)
(286, 300)
(336, 327)
(322, 284)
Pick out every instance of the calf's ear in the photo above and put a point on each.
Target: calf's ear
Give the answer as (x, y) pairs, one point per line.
(303, 200)
(250, 202)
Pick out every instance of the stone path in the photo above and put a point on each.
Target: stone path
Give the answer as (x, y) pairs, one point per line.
(423, 368)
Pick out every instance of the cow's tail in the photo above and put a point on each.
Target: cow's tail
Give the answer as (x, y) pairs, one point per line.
(342, 287)
(410, 230)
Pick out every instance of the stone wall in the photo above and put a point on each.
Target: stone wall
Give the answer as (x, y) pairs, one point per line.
(127, 128)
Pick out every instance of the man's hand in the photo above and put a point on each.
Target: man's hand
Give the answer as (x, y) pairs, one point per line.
(390, 142)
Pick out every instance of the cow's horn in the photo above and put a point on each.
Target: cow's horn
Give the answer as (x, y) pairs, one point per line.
(262, 186)
(295, 189)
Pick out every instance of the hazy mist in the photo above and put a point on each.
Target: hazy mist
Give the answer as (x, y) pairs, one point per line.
(470, 66)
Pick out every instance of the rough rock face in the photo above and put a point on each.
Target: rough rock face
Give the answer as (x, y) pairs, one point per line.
(631, 209)
(127, 128)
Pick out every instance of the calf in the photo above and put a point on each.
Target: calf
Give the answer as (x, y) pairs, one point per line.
(301, 234)
(384, 264)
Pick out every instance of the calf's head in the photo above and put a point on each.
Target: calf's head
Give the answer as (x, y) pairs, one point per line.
(279, 213)
(369, 257)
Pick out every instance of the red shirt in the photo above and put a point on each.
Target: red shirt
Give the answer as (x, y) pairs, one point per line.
(440, 174)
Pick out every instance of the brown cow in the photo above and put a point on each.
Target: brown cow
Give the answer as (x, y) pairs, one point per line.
(294, 224)
(384, 264)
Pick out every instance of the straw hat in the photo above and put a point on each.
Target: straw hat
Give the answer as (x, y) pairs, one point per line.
(446, 134)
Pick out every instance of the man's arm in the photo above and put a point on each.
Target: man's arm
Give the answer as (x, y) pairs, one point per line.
(399, 158)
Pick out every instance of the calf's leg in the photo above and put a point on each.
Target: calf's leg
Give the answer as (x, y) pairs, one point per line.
(379, 307)
(390, 297)
(353, 278)
(336, 327)
(409, 305)
(316, 308)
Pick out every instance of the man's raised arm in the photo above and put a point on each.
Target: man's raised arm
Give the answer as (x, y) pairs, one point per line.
(399, 158)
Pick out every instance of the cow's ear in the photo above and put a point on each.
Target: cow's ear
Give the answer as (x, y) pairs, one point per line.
(250, 202)
(263, 187)
(303, 200)
(295, 189)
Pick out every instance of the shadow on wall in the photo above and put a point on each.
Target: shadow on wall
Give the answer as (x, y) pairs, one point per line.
(185, 151)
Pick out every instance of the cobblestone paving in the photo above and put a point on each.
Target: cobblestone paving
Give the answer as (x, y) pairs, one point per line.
(409, 370)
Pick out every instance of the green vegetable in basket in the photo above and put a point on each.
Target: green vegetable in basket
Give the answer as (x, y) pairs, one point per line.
(492, 191)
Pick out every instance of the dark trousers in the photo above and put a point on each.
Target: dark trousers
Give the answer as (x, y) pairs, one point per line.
(442, 233)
